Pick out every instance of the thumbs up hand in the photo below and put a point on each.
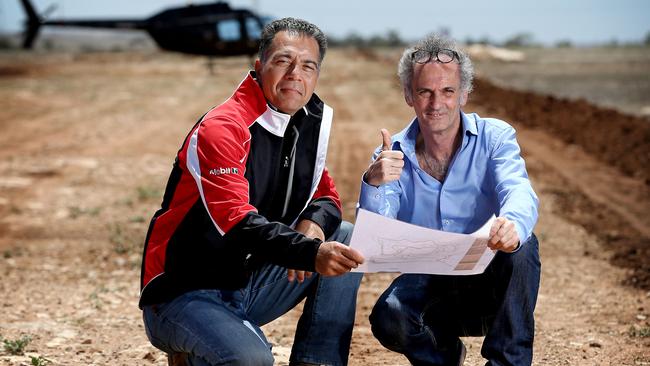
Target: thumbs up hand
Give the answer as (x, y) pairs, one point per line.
(386, 140)
(388, 165)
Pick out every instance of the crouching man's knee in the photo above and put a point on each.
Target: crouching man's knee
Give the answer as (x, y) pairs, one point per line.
(389, 324)
(525, 259)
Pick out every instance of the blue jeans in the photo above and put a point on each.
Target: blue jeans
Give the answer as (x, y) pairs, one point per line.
(219, 327)
(423, 316)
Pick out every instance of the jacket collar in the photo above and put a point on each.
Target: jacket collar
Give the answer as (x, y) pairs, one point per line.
(250, 94)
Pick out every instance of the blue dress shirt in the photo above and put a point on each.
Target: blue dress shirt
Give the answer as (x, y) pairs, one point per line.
(486, 176)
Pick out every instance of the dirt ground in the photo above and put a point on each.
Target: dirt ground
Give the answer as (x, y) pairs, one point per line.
(87, 142)
(614, 77)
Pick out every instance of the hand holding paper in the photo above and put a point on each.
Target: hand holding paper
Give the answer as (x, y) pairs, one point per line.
(393, 246)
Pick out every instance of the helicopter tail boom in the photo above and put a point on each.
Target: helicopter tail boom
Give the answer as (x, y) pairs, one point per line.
(35, 21)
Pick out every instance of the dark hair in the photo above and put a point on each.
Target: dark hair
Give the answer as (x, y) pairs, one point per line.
(295, 26)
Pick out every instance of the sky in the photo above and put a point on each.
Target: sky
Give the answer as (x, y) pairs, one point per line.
(550, 21)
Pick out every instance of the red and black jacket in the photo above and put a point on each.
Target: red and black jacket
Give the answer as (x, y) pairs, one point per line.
(223, 213)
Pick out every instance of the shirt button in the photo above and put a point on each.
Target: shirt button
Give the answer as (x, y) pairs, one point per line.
(377, 196)
(445, 222)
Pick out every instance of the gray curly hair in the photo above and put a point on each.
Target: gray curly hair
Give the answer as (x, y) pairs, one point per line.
(432, 43)
(294, 26)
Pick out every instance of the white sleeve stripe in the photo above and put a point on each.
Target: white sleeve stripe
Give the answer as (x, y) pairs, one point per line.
(195, 169)
(321, 152)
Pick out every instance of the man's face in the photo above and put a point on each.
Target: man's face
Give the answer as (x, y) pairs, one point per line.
(436, 96)
(289, 74)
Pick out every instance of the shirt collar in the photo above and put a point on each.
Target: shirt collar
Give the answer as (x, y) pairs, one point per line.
(469, 126)
(304, 108)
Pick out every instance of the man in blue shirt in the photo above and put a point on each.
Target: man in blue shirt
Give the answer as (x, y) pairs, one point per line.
(452, 171)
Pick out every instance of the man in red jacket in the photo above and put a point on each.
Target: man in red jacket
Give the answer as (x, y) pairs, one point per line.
(248, 214)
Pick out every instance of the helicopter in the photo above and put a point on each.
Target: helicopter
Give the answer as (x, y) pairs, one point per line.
(209, 29)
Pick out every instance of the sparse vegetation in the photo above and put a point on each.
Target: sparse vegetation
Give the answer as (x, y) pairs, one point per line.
(137, 219)
(117, 238)
(483, 40)
(520, 40)
(643, 332)
(148, 193)
(390, 39)
(16, 347)
(126, 239)
(39, 361)
(94, 297)
(76, 211)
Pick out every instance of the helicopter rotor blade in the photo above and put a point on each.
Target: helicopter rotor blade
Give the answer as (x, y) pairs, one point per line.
(50, 9)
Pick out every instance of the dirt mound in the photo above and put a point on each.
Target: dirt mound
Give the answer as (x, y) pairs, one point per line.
(13, 71)
(613, 138)
(625, 247)
(617, 139)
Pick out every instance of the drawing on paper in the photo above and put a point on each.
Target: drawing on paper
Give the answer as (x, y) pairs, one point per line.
(390, 245)
(404, 250)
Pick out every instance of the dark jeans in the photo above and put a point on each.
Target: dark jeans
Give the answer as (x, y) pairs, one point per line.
(218, 327)
(423, 316)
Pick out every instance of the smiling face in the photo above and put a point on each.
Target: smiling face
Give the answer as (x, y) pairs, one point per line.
(436, 96)
(289, 73)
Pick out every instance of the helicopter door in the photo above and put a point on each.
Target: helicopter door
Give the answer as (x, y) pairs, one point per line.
(253, 28)
(233, 36)
(228, 30)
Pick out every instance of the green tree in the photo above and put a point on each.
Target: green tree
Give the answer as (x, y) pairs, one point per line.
(393, 38)
(520, 40)
(354, 39)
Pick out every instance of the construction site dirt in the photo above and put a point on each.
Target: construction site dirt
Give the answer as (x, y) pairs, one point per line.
(88, 140)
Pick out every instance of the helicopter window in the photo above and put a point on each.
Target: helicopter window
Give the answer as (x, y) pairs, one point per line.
(228, 30)
(253, 28)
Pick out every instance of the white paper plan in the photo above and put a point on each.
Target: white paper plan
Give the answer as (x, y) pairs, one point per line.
(390, 245)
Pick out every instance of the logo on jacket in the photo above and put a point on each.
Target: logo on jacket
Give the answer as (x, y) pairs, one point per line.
(219, 171)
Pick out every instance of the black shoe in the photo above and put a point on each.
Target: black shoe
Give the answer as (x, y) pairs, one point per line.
(463, 353)
(177, 359)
